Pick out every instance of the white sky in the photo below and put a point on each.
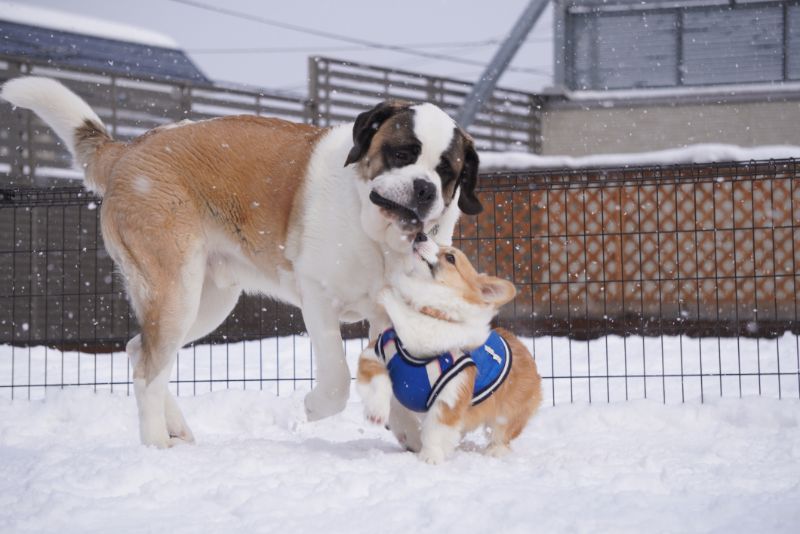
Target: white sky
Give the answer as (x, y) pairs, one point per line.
(397, 23)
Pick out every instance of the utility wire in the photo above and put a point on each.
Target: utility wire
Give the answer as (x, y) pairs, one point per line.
(360, 48)
(339, 37)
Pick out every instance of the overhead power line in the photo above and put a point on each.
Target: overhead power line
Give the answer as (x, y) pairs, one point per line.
(354, 48)
(339, 37)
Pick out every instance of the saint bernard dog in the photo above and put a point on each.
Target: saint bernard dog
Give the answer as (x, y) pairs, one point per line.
(197, 212)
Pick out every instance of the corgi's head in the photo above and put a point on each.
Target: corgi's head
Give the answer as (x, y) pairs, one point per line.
(443, 303)
(450, 267)
(454, 270)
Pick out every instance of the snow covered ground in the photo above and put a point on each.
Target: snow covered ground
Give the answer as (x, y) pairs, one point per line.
(71, 463)
(70, 459)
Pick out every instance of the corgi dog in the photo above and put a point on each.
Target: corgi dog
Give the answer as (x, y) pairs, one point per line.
(441, 371)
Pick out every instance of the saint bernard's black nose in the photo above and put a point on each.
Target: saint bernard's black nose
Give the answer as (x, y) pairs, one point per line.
(424, 194)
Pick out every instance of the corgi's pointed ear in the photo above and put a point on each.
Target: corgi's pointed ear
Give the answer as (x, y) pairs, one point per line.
(496, 291)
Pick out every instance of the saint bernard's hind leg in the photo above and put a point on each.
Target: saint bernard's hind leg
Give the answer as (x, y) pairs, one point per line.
(166, 306)
(215, 305)
(332, 390)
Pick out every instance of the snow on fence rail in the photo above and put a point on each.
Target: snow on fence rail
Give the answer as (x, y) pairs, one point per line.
(670, 282)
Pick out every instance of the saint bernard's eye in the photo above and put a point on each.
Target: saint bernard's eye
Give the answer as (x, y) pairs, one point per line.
(445, 170)
(450, 258)
(402, 155)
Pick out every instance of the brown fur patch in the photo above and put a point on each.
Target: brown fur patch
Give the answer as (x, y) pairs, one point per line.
(369, 369)
(455, 157)
(238, 175)
(436, 314)
(167, 191)
(509, 409)
(397, 130)
(90, 138)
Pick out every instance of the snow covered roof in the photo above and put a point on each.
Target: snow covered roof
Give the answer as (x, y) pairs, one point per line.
(68, 22)
(65, 40)
(699, 153)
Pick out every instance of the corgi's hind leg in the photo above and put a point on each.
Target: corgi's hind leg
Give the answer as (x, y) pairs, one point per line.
(444, 422)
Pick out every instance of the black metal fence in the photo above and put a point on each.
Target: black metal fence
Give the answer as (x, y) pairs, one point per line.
(673, 283)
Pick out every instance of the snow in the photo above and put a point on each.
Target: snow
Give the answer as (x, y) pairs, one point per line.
(656, 92)
(72, 463)
(70, 458)
(698, 153)
(69, 22)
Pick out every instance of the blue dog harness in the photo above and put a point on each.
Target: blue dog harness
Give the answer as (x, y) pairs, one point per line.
(416, 382)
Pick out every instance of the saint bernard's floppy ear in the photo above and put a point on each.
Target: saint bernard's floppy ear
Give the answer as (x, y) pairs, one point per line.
(467, 201)
(367, 124)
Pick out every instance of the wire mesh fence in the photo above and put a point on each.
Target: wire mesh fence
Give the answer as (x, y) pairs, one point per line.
(671, 283)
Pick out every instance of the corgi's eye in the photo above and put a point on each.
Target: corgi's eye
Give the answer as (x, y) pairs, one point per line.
(450, 258)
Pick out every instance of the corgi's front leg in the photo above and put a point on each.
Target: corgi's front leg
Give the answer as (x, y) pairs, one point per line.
(444, 422)
(374, 387)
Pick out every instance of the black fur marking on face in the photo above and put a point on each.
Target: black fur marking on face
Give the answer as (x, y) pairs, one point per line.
(399, 156)
(468, 180)
(367, 124)
(447, 174)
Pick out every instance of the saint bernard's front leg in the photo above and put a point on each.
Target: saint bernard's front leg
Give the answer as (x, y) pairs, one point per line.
(332, 390)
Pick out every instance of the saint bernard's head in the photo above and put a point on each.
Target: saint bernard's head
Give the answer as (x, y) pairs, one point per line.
(417, 164)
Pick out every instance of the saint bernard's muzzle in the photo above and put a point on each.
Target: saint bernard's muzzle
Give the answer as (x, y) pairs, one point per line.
(416, 161)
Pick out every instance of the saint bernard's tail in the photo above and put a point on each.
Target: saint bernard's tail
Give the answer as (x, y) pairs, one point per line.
(70, 117)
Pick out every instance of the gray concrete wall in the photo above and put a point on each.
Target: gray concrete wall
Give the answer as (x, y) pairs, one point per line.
(590, 128)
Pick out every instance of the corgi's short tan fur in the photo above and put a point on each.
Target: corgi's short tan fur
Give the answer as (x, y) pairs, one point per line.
(447, 307)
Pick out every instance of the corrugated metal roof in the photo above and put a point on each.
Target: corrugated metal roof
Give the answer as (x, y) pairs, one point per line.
(61, 48)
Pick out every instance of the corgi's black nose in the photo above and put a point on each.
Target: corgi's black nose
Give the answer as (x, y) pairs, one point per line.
(420, 238)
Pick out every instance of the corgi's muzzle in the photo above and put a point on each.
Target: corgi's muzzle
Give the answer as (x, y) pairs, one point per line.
(427, 251)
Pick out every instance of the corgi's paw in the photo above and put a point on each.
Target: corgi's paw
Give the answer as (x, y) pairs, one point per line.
(377, 397)
(432, 455)
(376, 413)
(497, 450)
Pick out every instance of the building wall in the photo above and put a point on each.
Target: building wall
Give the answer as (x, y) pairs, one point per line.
(594, 129)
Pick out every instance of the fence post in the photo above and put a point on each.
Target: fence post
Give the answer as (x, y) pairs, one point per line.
(431, 90)
(16, 134)
(114, 105)
(536, 104)
(186, 102)
(311, 107)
